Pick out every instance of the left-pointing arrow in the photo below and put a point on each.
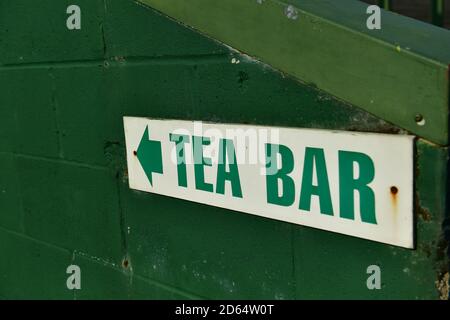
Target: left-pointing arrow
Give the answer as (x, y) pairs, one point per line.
(149, 154)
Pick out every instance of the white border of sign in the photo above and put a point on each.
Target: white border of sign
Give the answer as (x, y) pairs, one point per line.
(392, 156)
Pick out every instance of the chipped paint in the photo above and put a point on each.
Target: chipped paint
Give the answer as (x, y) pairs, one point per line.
(443, 286)
(291, 12)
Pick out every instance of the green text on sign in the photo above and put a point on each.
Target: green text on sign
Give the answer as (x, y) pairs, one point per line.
(335, 181)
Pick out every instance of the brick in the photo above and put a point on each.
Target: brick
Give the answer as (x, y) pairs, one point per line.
(32, 269)
(7, 123)
(100, 280)
(30, 125)
(144, 289)
(11, 213)
(205, 250)
(150, 34)
(31, 33)
(72, 206)
(91, 113)
(88, 114)
(103, 280)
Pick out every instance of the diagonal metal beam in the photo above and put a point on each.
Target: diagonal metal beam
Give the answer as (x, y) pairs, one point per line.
(398, 73)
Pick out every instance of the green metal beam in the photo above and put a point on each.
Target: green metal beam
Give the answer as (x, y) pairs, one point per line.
(398, 73)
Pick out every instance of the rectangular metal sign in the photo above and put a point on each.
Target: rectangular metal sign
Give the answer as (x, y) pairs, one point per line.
(358, 184)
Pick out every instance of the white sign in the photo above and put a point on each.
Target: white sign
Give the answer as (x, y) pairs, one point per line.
(358, 184)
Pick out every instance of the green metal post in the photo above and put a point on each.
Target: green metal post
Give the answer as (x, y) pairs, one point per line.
(437, 12)
(385, 4)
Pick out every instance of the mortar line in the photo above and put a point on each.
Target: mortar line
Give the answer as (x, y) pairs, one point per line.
(294, 279)
(41, 242)
(58, 160)
(167, 287)
(72, 253)
(157, 60)
(122, 222)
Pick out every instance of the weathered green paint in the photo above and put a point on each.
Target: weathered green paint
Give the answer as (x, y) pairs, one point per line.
(395, 73)
(64, 195)
(33, 268)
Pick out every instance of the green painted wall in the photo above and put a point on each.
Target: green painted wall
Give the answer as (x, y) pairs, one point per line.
(64, 196)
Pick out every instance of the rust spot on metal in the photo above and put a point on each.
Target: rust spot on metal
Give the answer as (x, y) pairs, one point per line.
(442, 284)
(424, 213)
(421, 212)
(394, 197)
(394, 190)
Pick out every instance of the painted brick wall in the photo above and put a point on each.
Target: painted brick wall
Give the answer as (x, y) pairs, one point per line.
(64, 196)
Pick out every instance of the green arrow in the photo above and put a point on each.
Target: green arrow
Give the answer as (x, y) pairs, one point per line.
(149, 155)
